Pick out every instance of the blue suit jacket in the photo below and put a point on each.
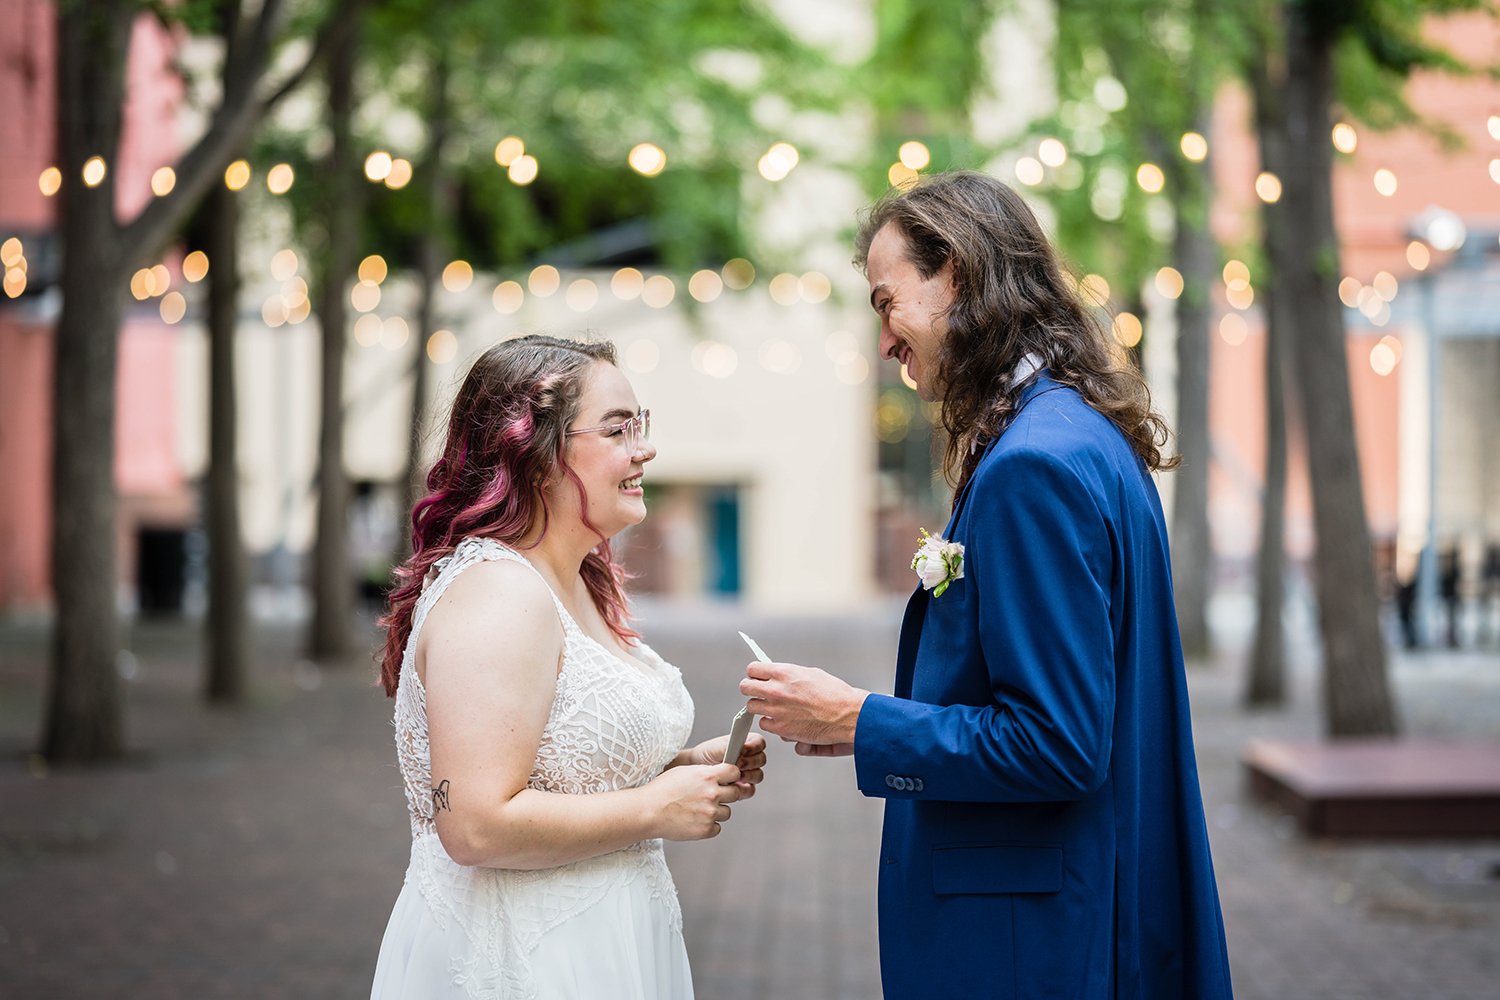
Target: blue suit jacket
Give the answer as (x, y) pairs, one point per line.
(1044, 831)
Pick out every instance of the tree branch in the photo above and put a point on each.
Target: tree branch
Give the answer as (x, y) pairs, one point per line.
(239, 112)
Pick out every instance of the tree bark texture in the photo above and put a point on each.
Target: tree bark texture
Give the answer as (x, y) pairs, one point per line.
(1356, 686)
(228, 645)
(1265, 678)
(333, 585)
(84, 721)
(1196, 255)
(438, 198)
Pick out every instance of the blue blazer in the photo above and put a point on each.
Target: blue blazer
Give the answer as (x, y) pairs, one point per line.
(1044, 831)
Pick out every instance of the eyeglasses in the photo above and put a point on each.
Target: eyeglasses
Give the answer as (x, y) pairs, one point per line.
(633, 431)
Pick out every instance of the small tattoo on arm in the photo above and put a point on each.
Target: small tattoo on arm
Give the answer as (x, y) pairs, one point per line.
(440, 797)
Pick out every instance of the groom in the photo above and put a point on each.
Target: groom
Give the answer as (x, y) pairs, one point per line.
(1044, 832)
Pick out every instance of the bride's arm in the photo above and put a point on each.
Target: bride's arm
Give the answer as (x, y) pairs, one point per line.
(490, 652)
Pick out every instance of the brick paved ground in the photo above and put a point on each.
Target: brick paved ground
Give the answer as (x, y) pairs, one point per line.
(256, 854)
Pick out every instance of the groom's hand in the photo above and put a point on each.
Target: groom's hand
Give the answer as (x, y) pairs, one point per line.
(804, 705)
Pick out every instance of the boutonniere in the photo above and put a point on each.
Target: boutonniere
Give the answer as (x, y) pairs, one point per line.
(937, 563)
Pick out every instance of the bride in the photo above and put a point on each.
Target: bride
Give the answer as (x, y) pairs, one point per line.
(539, 740)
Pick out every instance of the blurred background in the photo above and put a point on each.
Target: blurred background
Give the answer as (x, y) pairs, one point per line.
(250, 249)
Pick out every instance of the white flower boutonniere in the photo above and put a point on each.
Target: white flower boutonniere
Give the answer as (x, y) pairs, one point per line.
(937, 563)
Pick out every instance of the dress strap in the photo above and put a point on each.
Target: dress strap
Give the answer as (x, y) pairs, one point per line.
(474, 550)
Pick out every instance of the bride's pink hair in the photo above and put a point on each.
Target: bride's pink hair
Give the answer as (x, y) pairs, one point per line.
(505, 443)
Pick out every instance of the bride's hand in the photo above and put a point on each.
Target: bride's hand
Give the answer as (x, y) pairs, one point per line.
(692, 801)
(752, 760)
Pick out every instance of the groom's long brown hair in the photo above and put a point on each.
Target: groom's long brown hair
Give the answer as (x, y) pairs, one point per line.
(1013, 298)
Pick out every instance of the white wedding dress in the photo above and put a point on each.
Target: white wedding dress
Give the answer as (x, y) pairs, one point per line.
(606, 927)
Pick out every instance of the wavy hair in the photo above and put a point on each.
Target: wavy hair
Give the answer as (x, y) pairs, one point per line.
(1012, 298)
(504, 445)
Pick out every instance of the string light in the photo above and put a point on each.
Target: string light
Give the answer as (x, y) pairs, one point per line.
(1029, 171)
(738, 273)
(1127, 329)
(627, 283)
(1233, 329)
(279, 178)
(367, 330)
(1093, 287)
(778, 161)
(378, 166)
(814, 287)
(1169, 282)
(715, 359)
(1385, 285)
(195, 266)
(364, 296)
(441, 347)
(508, 150)
(785, 289)
(647, 159)
(899, 175)
(161, 279)
(284, 264)
(508, 296)
(1345, 139)
(163, 181)
(458, 276)
(50, 182)
(173, 307)
(1052, 152)
(394, 333)
(12, 252)
(1268, 187)
(400, 174)
(582, 295)
(1349, 289)
(658, 291)
(544, 280)
(94, 171)
(1417, 255)
(1385, 182)
(1194, 146)
(1236, 274)
(373, 269)
(914, 155)
(1150, 177)
(523, 170)
(237, 175)
(705, 285)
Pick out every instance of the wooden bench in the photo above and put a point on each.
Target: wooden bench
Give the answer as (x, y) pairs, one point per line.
(1381, 788)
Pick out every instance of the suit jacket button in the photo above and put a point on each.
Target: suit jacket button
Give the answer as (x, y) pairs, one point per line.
(920, 786)
(907, 784)
(890, 781)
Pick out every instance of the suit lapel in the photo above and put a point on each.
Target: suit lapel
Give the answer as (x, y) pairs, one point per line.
(916, 607)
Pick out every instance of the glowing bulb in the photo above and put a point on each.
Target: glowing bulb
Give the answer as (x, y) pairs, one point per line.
(786, 290)
(441, 347)
(1029, 171)
(582, 295)
(523, 170)
(94, 171)
(1382, 358)
(364, 296)
(237, 175)
(1194, 146)
(914, 155)
(1349, 290)
(1233, 329)
(1128, 329)
(400, 174)
(778, 161)
(195, 266)
(1385, 285)
(284, 264)
(1268, 187)
(626, 283)
(1052, 152)
(1385, 182)
(1240, 296)
(163, 181)
(1150, 177)
(647, 159)
(161, 279)
(1345, 139)
(1417, 255)
(544, 280)
(458, 276)
(12, 251)
(899, 175)
(1094, 288)
(394, 333)
(378, 165)
(738, 273)
(508, 150)
(50, 182)
(508, 297)
(140, 284)
(1236, 274)
(173, 307)
(367, 330)
(814, 287)
(1169, 282)
(373, 269)
(279, 178)
(658, 291)
(705, 285)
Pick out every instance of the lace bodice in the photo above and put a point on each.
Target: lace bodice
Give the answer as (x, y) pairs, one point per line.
(612, 724)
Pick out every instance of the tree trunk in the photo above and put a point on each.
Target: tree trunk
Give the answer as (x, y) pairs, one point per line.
(1356, 687)
(1196, 257)
(333, 587)
(84, 720)
(437, 196)
(1265, 682)
(227, 643)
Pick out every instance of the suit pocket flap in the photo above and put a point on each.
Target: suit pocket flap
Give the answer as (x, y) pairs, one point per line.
(996, 868)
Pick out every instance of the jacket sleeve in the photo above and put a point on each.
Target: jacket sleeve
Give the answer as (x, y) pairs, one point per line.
(1039, 560)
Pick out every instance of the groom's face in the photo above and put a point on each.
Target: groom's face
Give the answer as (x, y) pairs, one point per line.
(912, 309)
